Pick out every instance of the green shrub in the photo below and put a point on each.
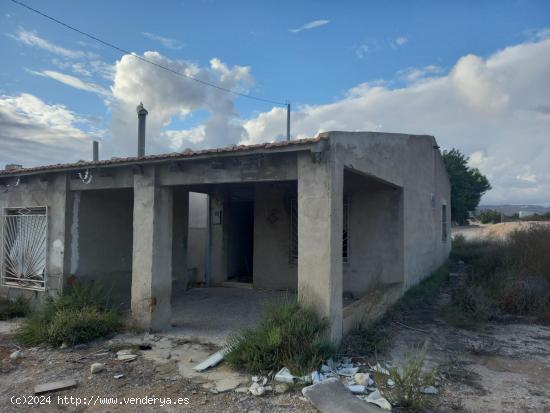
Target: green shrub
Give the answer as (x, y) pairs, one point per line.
(409, 381)
(287, 336)
(80, 314)
(20, 307)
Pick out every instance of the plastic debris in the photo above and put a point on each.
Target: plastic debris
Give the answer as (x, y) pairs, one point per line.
(16, 355)
(391, 383)
(376, 398)
(211, 361)
(284, 376)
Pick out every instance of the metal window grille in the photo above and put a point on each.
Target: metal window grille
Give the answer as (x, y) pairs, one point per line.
(345, 232)
(24, 249)
(293, 253)
(444, 223)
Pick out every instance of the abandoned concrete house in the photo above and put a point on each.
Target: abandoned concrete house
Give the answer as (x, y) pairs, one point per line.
(346, 221)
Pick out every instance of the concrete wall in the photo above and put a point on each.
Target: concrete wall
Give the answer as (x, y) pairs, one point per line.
(272, 269)
(33, 191)
(375, 234)
(413, 163)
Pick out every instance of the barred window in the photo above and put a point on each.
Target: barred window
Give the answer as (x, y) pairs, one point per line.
(24, 247)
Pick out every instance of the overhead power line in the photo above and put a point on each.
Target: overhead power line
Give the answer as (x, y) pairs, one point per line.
(120, 49)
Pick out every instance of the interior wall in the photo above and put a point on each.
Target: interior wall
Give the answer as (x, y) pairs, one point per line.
(375, 234)
(240, 241)
(102, 239)
(272, 269)
(197, 237)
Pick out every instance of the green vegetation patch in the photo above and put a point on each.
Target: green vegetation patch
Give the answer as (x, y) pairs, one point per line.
(288, 335)
(19, 307)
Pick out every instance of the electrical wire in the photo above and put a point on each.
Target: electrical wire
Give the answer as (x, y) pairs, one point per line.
(120, 49)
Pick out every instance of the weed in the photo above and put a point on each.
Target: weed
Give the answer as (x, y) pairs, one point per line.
(288, 335)
(409, 381)
(20, 307)
(80, 314)
(510, 276)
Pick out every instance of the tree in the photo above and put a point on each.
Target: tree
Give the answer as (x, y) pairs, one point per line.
(467, 185)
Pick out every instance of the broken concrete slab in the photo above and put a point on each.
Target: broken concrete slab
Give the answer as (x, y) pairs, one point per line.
(331, 396)
(376, 398)
(54, 386)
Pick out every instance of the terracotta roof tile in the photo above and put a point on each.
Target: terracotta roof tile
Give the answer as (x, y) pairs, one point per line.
(161, 157)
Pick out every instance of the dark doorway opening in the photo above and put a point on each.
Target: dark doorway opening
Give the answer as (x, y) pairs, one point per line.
(241, 236)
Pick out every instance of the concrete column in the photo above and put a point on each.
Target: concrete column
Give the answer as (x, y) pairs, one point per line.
(320, 218)
(152, 252)
(218, 242)
(180, 231)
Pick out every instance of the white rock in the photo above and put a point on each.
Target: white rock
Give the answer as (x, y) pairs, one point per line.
(429, 390)
(118, 376)
(391, 383)
(96, 368)
(124, 352)
(376, 398)
(17, 354)
(257, 389)
(362, 378)
(356, 388)
(348, 371)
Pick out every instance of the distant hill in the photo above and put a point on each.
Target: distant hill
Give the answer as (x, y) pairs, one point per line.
(514, 209)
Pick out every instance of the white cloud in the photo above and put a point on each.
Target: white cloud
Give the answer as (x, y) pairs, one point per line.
(73, 81)
(169, 98)
(414, 74)
(167, 42)
(362, 51)
(400, 41)
(30, 38)
(310, 25)
(496, 109)
(34, 133)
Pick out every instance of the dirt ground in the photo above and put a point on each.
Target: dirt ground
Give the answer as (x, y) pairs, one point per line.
(502, 367)
(494, 230)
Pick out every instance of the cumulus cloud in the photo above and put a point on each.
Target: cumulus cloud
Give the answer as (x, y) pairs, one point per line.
(414, 74)
(493, 108)
(34, 133)
(167, 42)
(170, 98)
(310, 25)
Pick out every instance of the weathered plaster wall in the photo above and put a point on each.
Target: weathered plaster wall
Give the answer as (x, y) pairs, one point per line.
(413, 163)
(272, 269)
(52, 193)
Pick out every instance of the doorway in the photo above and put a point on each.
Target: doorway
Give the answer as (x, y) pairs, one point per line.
(241, 236)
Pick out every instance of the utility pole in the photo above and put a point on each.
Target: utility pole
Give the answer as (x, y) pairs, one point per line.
(95, 151)
(288, 121)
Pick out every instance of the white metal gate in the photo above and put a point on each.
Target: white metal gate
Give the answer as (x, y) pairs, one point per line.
(25, 247)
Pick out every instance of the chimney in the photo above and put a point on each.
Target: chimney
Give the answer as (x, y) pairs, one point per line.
(95, 151)
(142, 113)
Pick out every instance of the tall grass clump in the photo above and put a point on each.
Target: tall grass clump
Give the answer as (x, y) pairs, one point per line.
(82, 313)
(20, 307)
(505, 276)
(288, 335)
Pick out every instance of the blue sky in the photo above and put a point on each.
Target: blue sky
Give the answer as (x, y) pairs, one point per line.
(319, 55)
